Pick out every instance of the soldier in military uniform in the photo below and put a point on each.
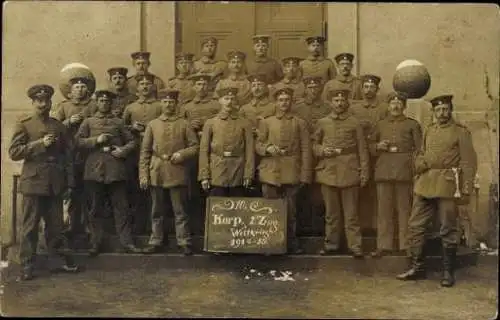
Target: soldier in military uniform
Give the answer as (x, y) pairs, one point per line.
(316, 65)
(369, 111)
(141, 61)
(168, 142)
(45, 146)
(284, 144)
(181, 82)
(292, 78)
(345, 79)
(259, 108)
(236, 78)
(311, 108)
(207, 63)
(394, 143)
(342, 153)
(109, 143)
(261, 63)
(118, 85)
(445, 169)
(71, 113)
(136, 116)
(227, 158)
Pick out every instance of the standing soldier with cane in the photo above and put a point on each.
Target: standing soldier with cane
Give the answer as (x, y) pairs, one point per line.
(45, 146)
(445, 170)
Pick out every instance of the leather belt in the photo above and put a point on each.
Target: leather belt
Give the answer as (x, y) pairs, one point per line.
(396, 149)
(163, 156)
(344, 151)
(228, 154)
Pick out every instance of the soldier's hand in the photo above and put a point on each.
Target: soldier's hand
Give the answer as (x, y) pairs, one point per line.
(273, 150)
(103, 138)
(383, 145)
(117, 152)
(247, 183)
(137, 126)
(364, 181)
(195, 125)
(68, 194)
(205, 184)
(76, 118)
(329, 152)
(176, 158)
(144, 183)
(49, 139)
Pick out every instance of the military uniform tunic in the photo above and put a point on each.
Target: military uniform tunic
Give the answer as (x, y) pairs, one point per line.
(227, 151)
(311, 111)
(268, 66)
(122, 100)
(340, 175)
(393, 175)
(318, 67)
(340, 82)
(46, 173)
(241, 82)
(256, 110)
(158, 84)
(106, 174)
(184, 86)
(444, 147)
(165, 136)
(215, 68)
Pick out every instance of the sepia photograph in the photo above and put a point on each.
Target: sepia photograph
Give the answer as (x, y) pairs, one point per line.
(250, 159)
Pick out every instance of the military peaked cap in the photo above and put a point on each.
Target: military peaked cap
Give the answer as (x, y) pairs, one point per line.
(40, 91)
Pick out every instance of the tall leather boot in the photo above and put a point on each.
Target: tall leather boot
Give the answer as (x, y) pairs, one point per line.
(449, 260)
(416, 270)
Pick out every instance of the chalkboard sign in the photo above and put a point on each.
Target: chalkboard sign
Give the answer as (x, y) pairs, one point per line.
(245, 225)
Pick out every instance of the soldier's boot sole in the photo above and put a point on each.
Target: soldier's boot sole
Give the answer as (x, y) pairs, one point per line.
(412, 274)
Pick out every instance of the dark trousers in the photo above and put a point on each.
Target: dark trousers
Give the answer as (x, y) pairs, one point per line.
(422, 214)
(77, 203)
(116, 192)
(289, 193)
(393, 197)
(178, 200)
(227, 191)
(139, 203)
(36, 207)
(340, 201)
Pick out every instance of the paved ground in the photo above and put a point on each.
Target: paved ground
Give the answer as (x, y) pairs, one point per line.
(208, 286)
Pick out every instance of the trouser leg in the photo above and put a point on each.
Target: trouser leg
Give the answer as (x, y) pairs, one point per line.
(291, 192)
(119, 201)
(178, 197)
(350, 197)
(404, 197)
(332, 217)
(385, 215)
(32, 205)
(157, 216)
(97, 193)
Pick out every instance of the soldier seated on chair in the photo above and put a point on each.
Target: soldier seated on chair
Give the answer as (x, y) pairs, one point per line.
(45, 145)
(168, 143)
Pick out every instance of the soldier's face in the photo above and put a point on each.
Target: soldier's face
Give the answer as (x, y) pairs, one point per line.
(284, 102)
(103, 104)
(201, 87)
(228, 103)
(340, 104)
(258, 88)
(208, 49)
(235, 65)
(370, 89)
(313, 90)
(42, 106)
(144, 87)
(261, 49)
(345, 67)
(184, 66)
(396, 107)
(442, 113)
(290, 70)
(168, 105)
(141, 66)
(79, 90)
(314, 48)
(118, 81)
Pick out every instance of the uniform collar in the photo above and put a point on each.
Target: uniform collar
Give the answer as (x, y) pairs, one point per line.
(260, 102)
(148, 100)
(199, 100)
(396, 118)
(225, 116)
(314, 58)
(101, 115)
(122, 93)
(345, 79)
(261, 59)
(164, 117)
(181, 76)
(286, 115)
(291, 81)
(447, 124)
(312, 101)
(341, 116)
(236, 77)
(370, 103)
(80, 102)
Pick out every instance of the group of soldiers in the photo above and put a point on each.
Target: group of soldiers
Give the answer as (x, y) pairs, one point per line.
(241, 127)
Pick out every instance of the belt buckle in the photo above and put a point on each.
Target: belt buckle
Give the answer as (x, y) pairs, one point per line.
(106, 149)
(227, 153)
(165, 156)
(338, 150)
(283, 152)
(393, 149)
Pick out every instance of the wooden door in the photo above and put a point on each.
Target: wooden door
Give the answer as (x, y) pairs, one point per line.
(289, 24)
(233, 24)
